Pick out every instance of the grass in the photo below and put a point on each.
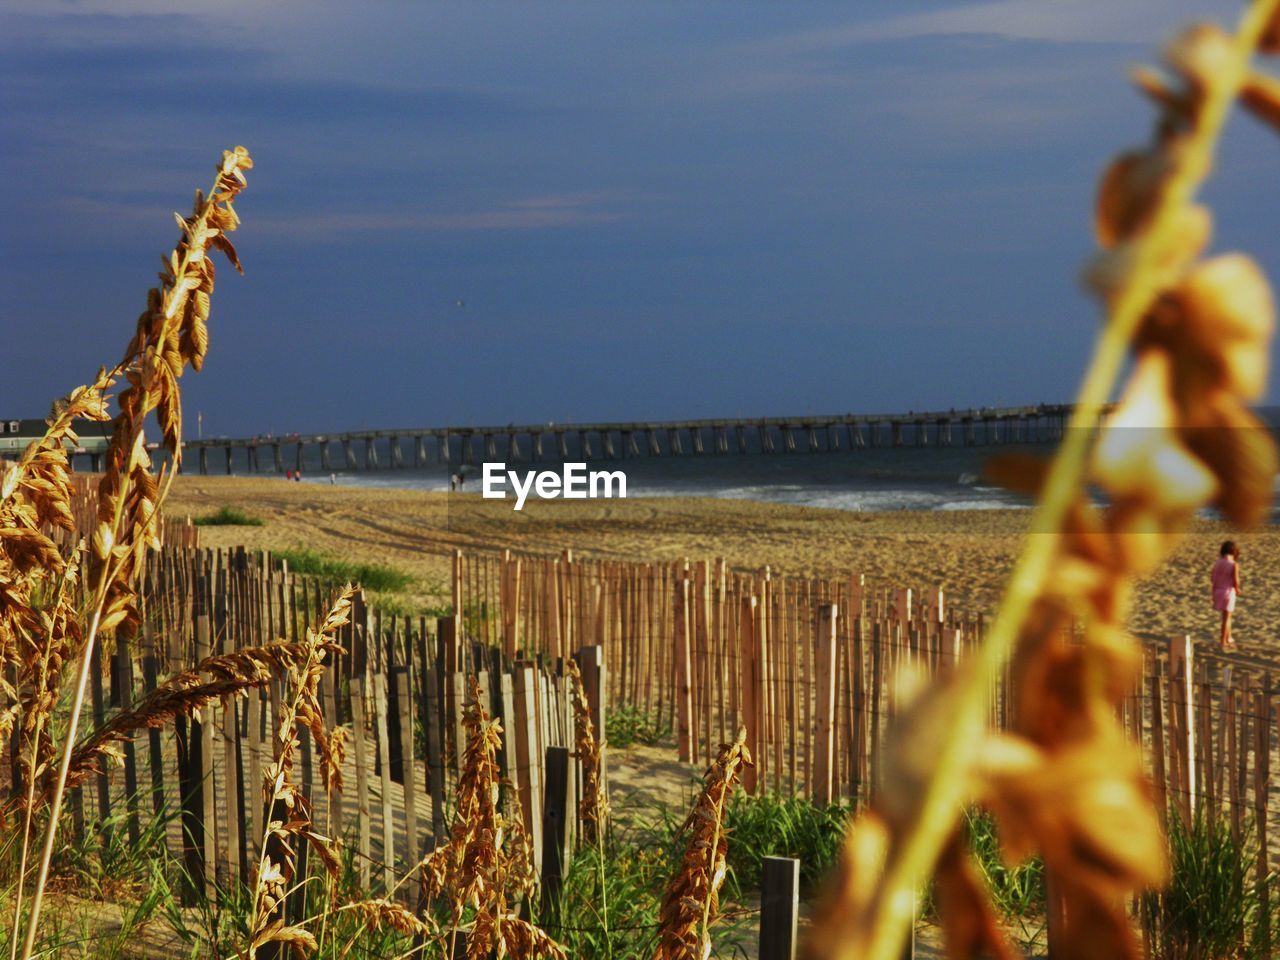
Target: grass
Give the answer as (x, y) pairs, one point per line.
(1212, 911)
(627, 726)
(1017, 892)
(775, 826)
(372, 576)
(119, 899)
(640, 855)
(1213, 908)
(228, 516)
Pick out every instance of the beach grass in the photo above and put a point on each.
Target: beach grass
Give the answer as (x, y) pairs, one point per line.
(228, 516)
(378, 577)
(627, 725)
(1214, 907)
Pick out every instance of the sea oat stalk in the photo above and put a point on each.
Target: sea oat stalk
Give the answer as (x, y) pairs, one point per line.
(487, 862)
(691, 904)
(171, 333)
(231, 674)
(1098, 829)
(288, 808)
(593, 808)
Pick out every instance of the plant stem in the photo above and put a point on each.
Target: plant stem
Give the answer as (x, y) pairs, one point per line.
(101, 589)
(944, 794)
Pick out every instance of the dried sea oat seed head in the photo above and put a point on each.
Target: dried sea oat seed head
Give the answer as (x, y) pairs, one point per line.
(1229, 313)
(1261, 95)
(1139, 538)
(1139, 456)
(1269, 42)
(1109, 270)
(841, 919)
(1238, 447)
(1127, 194)
(1203, 53)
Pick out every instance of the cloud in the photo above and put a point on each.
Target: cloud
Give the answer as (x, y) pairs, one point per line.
(527, 213)
(1056, 21)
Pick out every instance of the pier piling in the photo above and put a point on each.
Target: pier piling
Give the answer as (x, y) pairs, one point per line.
(643, 440)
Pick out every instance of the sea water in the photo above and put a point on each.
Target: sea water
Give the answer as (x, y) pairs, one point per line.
(868, 479)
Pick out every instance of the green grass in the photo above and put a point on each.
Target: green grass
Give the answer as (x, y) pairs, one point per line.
(371, 576)
(625, 726)
(774, 826)
(228, 517)
(1213, 908)
(1017, 892)
(609, 906)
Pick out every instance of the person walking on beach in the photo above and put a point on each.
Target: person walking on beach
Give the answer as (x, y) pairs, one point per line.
(1226, 587)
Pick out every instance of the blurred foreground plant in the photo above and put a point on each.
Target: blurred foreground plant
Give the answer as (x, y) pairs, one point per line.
(1064, 780)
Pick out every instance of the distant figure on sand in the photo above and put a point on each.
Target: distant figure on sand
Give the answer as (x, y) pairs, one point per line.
(1226, 587)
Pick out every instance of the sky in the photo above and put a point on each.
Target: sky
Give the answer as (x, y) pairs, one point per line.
(478, 212)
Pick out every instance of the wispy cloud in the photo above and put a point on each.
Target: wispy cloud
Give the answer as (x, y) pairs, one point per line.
(527, 213)
(1060, 21)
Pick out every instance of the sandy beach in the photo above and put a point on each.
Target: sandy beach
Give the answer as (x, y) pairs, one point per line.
(969, 553)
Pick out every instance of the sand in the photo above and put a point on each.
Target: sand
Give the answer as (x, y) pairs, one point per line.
(969, 553)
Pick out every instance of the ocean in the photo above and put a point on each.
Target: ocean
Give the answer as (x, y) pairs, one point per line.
(869, 479)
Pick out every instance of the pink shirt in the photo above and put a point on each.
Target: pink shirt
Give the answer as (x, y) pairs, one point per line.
(1224, 583)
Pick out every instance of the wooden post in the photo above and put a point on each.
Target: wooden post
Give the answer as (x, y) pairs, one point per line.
(99, 720)
(825, 689)
(234, 854)
(779, 907)
(123, 690)
(364, 814)
(253, 710)
(204, 719)
(594, 684)
(591, 665)
(507, 697)
(1160, 781)
(329, 692)
(155, 747)
(447, 662)
(902, 605)
(684, 671)
(525, 732)
(1182, 700)
(1055, 915)
(747, 666)
(384, 754)
(1261, 789)
(555, 811)
(410, 766)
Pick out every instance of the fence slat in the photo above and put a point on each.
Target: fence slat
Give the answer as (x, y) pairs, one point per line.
(779, 907)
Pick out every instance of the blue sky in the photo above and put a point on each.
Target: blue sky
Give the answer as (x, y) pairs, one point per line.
(651, 210)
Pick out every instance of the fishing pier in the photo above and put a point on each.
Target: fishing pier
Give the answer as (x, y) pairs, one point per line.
(559, 442)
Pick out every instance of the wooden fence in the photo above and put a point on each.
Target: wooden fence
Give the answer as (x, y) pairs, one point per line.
(809, 666)
(805, 664)
(400, 689)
